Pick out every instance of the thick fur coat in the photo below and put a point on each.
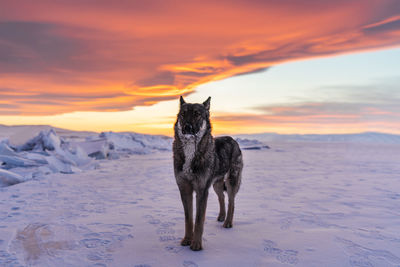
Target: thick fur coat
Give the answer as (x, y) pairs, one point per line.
(201, 161)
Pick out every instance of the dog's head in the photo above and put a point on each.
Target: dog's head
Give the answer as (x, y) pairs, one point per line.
(193, 119)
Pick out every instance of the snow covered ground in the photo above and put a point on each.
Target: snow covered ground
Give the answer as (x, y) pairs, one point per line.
(301, 203)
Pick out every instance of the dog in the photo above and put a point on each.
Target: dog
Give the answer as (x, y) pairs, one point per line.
(201, 161)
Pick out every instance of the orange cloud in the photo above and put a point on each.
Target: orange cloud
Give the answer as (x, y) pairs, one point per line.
(63, 56)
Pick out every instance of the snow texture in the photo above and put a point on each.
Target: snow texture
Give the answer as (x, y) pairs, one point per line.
(300, 204)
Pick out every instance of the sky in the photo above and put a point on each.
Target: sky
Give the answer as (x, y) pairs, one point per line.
(270, 66)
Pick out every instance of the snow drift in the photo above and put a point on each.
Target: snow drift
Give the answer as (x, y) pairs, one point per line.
(9, 178)
(134, 143)
(47, 152)
(43, 154)
(251, 144)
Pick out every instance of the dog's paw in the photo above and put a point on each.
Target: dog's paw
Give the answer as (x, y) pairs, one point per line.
(227, 224)
(186, 241)
(196, 246)
(221, 217)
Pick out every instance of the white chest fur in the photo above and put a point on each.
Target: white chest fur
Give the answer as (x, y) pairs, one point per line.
(189, 148)
(189, 143)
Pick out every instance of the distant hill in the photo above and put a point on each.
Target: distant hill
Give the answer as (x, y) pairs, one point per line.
(367, 137)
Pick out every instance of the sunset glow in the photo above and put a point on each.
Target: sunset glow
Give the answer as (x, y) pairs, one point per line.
(121, 65)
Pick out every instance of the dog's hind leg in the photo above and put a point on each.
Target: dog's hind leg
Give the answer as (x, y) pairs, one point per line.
(232, 187)
(186, 191)
(219, 189)
(231, 206)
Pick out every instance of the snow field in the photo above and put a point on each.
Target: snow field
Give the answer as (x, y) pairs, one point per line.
(301, 203)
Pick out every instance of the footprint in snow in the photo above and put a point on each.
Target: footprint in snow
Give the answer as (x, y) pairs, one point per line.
(98, 265)
(174, 248)
(144, 206)
(189, 264)
(99, 256)
(288, 256)
(360, 255)
(360, 261)
(285, 223)
(154, 221)
(7, 259)
(284, 256)
(168, 224)
(94, 242)
(165, 231)
(166, 238)
(151, 220)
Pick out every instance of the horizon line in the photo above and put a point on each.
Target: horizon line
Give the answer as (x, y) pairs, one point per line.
(233, 134)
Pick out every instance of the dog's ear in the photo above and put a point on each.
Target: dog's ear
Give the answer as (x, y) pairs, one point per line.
(207, 103)
(182, 101)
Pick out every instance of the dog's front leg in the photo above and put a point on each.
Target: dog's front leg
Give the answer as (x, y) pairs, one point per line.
(201, 205)
(186, 191)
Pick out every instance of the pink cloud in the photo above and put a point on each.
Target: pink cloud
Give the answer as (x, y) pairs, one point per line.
(116, 55)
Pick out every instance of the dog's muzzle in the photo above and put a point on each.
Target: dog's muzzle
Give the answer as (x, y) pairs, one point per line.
(188, 129)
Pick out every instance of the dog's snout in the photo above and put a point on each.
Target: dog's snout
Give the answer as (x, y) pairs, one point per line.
(188, 128)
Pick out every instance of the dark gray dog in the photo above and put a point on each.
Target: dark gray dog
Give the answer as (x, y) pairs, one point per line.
(200, 161)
